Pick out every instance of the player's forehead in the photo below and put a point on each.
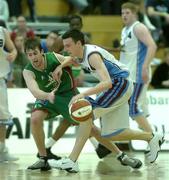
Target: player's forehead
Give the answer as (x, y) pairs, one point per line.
(126, 10)
(68, 41)
(36, 50)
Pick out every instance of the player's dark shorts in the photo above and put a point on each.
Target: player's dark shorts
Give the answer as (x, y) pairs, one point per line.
(60, 106)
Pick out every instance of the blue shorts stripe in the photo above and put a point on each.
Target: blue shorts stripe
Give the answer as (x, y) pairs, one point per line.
(133, 102)
(116, 132)
(107, 98)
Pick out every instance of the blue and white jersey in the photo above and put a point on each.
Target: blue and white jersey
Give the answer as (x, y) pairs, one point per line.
(133, 52)
(114, 67)
(4, 64)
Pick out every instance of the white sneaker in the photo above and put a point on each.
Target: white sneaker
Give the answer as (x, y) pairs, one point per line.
(5, 156)
(155, 146)
(65, 164)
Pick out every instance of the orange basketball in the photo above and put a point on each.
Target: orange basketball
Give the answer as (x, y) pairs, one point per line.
(81, 110)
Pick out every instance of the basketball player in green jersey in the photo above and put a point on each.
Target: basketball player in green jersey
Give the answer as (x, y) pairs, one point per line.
(53, 97)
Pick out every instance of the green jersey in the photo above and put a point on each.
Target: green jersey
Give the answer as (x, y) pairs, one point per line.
(64, 93)
(45, 80)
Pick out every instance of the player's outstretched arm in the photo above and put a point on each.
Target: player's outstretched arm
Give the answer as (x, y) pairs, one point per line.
(34, 88)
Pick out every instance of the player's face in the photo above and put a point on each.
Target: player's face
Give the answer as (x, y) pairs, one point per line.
(127, 16)
(50, 40)
(75, 24)
(35, 56)
(71, 47)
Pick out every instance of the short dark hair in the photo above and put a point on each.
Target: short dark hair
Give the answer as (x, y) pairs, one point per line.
(76, 17)
(55, 32)
(75, 34)
(32, 43)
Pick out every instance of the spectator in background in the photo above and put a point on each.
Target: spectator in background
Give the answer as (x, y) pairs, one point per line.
(158, 12)
(4, 10)
(48, 43)
(142, 17)
(77, 5)
(160, 79)
(15, 9)
(76, 22)
(32, 12)
(22, 28)
(20, 61)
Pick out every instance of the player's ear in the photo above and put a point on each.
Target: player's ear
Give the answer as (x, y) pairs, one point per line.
(79, 43)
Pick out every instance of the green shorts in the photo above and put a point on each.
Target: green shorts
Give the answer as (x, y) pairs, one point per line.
(60, 106)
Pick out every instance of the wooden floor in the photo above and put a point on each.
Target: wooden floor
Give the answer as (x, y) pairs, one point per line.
(91, 168)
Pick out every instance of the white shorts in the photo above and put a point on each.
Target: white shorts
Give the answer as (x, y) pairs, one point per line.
(115, 117)
(4, 112)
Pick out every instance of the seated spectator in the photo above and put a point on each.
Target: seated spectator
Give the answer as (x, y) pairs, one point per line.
(20, 61)
(75, 22)
(48, 43)
(158, 12)
(22, 28)
(160, 79)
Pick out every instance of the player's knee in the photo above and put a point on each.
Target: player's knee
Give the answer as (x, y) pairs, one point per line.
(94, 132)
(35, 121)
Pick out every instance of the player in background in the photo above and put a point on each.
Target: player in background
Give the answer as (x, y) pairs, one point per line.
(5, 116)
(137, 51)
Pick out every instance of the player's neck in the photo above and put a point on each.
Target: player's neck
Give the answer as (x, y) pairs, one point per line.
(131, 23)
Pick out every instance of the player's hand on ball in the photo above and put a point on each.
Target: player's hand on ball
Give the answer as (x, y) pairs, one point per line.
(75, 98)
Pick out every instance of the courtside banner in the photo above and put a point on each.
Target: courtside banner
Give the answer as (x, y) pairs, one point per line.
(158, 104)
(19, 135)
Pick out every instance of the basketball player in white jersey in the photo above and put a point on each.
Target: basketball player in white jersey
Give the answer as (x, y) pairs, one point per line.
(5, 116)
(138, 50)
(114, 89)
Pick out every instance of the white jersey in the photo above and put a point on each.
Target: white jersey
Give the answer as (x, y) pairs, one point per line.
(114, 67)
(133, 52)
(4, 64)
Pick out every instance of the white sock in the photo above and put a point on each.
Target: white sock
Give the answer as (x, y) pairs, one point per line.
(50, 142)
(94, 142)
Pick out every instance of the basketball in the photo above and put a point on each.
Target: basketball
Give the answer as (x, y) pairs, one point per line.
(81, 110)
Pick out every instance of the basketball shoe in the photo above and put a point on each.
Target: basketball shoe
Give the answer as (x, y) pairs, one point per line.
(66, 164)
(41, 164)
(50, 155)
(155, 146)
(128, 161)
(6, 156)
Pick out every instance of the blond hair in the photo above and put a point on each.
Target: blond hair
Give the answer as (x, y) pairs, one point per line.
(131, 6)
